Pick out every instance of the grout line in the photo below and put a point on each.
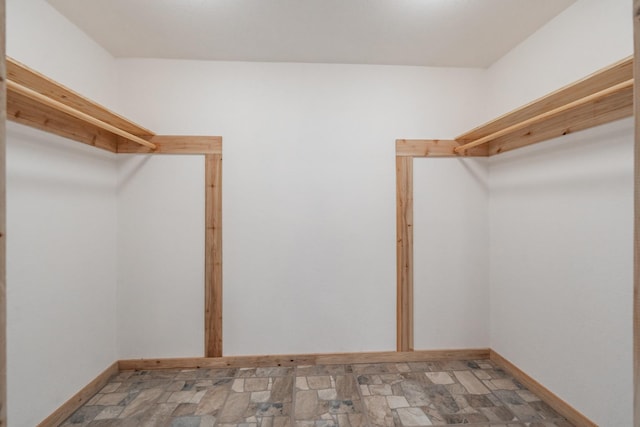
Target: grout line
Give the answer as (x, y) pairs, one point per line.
(362, 403)
(229, 391)
(293, 396)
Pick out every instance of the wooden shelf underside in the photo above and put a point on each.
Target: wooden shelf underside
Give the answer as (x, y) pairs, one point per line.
(597, 111)
(28, 111)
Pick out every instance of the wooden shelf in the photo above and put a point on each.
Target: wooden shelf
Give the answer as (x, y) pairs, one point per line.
(600, 98)
(35, 100)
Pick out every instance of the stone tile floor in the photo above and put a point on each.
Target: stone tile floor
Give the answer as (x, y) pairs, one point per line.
(475, 393)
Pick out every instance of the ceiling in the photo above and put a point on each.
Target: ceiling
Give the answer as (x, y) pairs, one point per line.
(457, 33)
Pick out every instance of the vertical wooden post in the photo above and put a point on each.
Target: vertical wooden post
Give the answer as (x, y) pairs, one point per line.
(3, 211)
(636, 238)
(213, 256)
(404, 254)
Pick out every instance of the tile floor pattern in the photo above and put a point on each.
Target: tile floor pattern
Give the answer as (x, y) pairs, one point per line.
(476, 393)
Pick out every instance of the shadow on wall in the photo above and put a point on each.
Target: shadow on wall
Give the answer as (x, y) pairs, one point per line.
(587, 169)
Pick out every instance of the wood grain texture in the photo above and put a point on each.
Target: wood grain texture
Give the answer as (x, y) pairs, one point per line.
(41, 100)
(304, 359)
(404, 253)
(80, 398)
(435, 148)
(636, 220)
(22, 110)
(213, 255)
(3, 213)
(614, 107)
(42, 84)
(559, 405)
(174, 144)
(602, 79)
(594, 105)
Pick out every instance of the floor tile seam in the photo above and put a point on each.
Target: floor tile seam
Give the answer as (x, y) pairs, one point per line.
(506, 404)
(365, 414)
(218, 415)
(294, 389)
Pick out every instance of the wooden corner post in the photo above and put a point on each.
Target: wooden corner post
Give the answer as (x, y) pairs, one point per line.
(404, 254)
(3, 211)
(213, 256)
(406, 150)
(636, 219)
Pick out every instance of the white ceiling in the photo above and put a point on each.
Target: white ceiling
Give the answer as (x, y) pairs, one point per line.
(465, 33)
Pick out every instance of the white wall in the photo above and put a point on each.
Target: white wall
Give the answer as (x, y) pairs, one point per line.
(309, 215)
(160, 256)
(308, 192)
(451, 272)
(587, 36)
(61, 228)
(61, 263)
(561, 224)
(40, 37)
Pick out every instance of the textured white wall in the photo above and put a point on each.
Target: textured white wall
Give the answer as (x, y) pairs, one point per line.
(451, 236)
(160, 255)
(561, 224)
(43, 39)
(589, 35)
(309, 215)
(61, 228)
(61, 265)
(308, 192)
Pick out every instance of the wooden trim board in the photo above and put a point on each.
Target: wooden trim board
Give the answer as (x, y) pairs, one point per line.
(636, 220)
(80, 398)
(174, 144)
(3, 213)
(404, 253)
(435, 148)
(559, 405)
(303, 359)
(22, 110)
(406, 150)
(213, 256)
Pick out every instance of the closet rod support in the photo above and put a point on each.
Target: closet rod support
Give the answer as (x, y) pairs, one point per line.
(45, 100)
(575, 104)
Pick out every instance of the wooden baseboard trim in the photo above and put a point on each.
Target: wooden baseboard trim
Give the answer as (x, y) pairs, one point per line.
(559, 405)
(80, 398)
(302, 359)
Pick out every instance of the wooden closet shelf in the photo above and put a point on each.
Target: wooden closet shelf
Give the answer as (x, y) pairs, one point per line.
(35, 100)
(602, 97)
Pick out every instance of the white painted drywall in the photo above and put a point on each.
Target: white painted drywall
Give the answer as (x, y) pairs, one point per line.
(40, 37)
(589, 35)
(61, 264)
(451, 272)
(61, 228)
(309, 215)
(160, 255)
(308, 195)
(561, 224)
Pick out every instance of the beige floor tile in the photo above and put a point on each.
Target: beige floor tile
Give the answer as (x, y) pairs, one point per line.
(470, 382)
